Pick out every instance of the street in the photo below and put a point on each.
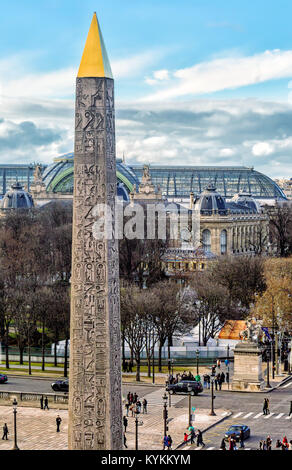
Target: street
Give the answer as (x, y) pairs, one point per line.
(246, 409)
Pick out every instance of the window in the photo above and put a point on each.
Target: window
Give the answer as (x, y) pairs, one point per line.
(207, 240)
(223, 242)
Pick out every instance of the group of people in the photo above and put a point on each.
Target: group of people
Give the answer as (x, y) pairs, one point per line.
(134, 405)
(167, 442)
(194, 435)
(184, 376)
(44, 403)
(127, 366)
(6, 431)
(232, 442)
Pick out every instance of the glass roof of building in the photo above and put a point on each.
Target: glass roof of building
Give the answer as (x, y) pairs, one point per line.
(174, 181)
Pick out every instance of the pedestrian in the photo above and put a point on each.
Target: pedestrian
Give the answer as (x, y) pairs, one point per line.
(46, 403)
(125, 423)
(58, 423)
(200, 439)
(135, 398)
(193, 435)
(218, 363)
(213, 369)
(219, 381)
(290, 412)
(144, 403)
(165, 442)
(261, 445)
(5, 432)
(216, 383)
(285, 443)
(222, 377)
(290, 445)
(241, 439)
(223, 444)
(129, 397)
(127, 406)
(185, 438)
(265, 406)
(269, 443)
(169, 442)
(208, 381)
(268, 406)
(42, 402)
(125, 441)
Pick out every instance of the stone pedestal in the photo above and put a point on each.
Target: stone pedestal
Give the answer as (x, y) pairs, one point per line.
(247, 375)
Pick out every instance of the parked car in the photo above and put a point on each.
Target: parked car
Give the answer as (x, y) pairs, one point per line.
(60, 386)
(235, 431)
(3, 378)
(184, 387)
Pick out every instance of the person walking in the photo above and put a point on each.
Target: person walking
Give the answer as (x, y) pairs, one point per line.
(165, 442)
(218, 363)
(169, 442)
(193, 435)
(222, 377)
(58, 423)
(125, 423)
(129, 397)
(42, 402)
(265, 406)
(5, 432)
(241, 439)
(46, 403)
(268, 406)
(200, 441)
(223, 444)
(186, 438)
(144, 403)
(127, 405)
(269, 443)
(208, 379)
(219, 381)
(290, 412)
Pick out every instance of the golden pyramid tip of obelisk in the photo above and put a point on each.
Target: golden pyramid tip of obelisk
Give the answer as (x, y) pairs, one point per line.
(94, 62)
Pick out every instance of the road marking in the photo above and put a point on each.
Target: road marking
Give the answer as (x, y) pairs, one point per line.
(289, 417)
(279, 416)
(225, 413)
(258, 415)
(210, 448)
(248, 448)
(238, 414)
(287, 385)
(248, 414)
(269, 416)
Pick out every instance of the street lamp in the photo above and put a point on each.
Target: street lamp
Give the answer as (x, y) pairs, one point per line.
(165, 413)
(268, 366)
(14, 403)
(153, 358)
(191, 392)
(227, 374)
(212, 412)
(197, 354)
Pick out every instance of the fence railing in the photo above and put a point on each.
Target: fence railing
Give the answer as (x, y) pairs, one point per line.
(33, 396)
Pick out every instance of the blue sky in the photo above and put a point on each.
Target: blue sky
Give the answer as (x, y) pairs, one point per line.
(197, 82)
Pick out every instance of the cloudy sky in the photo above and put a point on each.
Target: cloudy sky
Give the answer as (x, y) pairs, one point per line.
(198, 82)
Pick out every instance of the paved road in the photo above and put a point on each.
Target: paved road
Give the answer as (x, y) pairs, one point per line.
(25, 384)
(247, 409)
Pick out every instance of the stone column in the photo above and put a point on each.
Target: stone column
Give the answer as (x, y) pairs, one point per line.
(95, 404)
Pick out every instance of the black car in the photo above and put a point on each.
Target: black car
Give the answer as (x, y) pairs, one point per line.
(185, 387)
(235, 430)
(60, 386)
(3, 378)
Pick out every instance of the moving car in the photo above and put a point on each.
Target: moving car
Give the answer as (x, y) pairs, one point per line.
(235, 429)
(60, 386)
(185, 387)
(3, 378)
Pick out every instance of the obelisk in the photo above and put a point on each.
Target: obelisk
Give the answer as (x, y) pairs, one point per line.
(95, 405)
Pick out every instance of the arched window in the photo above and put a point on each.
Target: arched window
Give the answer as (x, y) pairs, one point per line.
(223, 242)
(206, 240)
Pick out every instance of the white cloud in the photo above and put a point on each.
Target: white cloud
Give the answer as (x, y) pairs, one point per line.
(262, 149)
(225, 73)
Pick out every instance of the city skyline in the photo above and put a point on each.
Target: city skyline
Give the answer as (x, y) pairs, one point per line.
(200, 85)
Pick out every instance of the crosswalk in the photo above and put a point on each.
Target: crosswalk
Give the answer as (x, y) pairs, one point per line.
(287, 385)
(253, 415)
(155, 398)
(214, 448)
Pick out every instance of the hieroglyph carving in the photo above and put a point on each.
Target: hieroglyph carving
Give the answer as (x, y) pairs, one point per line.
(95, 410)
